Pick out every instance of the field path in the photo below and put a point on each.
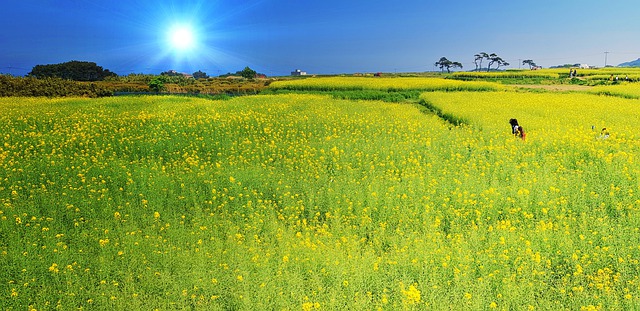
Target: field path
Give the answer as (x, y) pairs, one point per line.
(559, 87)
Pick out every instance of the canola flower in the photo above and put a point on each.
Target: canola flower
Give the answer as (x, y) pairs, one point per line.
(553, 74)
(303, 201)
(411, 294)
(539, 74)
(552, 116)
(388, 84)
(587, 176)
(625, 90)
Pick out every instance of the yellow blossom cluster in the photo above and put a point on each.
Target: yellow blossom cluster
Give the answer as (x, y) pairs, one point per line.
(308, 202)
(377, 83)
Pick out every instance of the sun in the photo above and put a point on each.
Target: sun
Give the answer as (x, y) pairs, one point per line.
(181, 38)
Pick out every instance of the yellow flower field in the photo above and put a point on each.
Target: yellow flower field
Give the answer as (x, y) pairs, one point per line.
(377, 83)
(304, 202)
(549, 115)
(625, 90)
(541, 74)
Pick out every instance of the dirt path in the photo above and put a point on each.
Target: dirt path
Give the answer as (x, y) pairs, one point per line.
(558, 87)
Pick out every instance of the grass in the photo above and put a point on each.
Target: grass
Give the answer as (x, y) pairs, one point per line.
(380, 95)
(307, 201)
(173, 202)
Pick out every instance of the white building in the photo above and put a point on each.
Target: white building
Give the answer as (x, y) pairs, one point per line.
(298, 72)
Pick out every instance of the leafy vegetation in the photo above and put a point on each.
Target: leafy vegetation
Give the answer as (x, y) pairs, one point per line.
(381, 95)
(444, 63)
(530, 63)
(491, 59)
(302, 201)
(157, 84)
(412, 194)
(49, 87)
(73, 70)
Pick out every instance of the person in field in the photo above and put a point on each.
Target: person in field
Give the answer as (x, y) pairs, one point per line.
(604, 134)
(516, 129)
(514, 126)
(520, 133)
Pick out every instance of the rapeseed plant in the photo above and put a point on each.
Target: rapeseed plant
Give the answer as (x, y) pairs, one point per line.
(386, 84)
(303, 201)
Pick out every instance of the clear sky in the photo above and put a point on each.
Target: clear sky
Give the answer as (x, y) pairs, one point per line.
(324, 36)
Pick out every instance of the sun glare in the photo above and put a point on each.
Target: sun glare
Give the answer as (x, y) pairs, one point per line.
(181, 38)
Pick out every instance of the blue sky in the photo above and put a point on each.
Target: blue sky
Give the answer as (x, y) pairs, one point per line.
(330, 36)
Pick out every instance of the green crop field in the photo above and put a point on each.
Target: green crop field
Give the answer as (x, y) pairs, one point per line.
(309, 202)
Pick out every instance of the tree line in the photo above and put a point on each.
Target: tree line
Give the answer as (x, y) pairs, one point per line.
(89, 71)
(63, 80)
(157, 83)
(73, 70)
(49, 87)
(492, 59)
(87, 79)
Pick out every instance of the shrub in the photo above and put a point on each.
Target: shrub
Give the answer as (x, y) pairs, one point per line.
(49, 87)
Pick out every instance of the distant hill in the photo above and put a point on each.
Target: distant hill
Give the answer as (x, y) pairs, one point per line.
(634, 63)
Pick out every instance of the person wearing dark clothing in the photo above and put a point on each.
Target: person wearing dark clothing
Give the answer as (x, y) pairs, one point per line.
(514, 126)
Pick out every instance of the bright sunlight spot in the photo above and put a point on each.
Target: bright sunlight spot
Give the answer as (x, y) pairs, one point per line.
(181, 38)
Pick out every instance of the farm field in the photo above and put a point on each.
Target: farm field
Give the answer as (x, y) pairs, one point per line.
(554, 76)
(625, 90)
(385, 84)
(308, 202)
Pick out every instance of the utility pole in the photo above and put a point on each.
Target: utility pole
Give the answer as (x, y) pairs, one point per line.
(519, 62)
(605, 58)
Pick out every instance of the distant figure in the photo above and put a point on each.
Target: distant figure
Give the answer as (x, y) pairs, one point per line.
(604, 134)
(516, 129)
(520, 133)
(514, 126)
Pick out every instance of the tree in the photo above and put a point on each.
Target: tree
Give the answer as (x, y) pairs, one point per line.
(157, 84)
(73, 70)
(456, 64)
(200, 75)
(492, 58)
(530, 63)
(445, 63)
(501, 62)
(495, 59)
(478, 58)
(248, 73)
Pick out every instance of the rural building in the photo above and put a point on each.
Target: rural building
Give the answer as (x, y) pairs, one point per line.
(175, 73)
(298, 72)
